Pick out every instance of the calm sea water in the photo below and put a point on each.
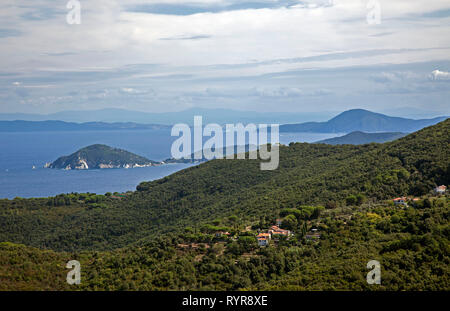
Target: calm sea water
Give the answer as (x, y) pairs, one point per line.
(19, 152)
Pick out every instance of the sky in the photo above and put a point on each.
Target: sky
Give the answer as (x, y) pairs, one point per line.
(389, 56)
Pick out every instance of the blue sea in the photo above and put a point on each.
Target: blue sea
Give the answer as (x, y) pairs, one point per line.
(19, 152)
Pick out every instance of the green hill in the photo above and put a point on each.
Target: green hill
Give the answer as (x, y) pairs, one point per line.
(361, 138)
(98, 157)
(412, 246)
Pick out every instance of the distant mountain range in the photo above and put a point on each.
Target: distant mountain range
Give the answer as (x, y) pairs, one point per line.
(220, 116)
(43, 126)
(346, 122)
(360, 138)
(362, 120)
(100, 157)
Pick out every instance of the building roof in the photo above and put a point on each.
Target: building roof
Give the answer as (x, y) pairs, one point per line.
(281, 231)
(400, 199)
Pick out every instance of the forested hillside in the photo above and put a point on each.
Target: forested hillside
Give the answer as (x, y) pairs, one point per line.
(308, 174)
(163, 235)
(411, 244)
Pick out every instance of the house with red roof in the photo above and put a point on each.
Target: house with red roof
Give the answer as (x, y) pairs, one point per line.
(400, 201)
(275, 231)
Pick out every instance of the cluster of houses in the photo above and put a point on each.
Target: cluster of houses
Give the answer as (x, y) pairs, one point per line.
(403, 201)
(273, 233)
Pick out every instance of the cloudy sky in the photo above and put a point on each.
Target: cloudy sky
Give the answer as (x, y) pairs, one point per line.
(262, 55)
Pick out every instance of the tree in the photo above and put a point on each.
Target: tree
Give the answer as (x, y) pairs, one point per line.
(331, 205)
(360, 199)
(247, 243)
(289, 222)
(351, 200)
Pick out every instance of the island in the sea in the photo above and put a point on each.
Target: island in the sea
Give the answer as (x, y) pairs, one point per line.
(101, 157)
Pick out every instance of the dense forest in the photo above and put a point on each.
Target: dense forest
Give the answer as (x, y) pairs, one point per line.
(337, 201)
(411, 245)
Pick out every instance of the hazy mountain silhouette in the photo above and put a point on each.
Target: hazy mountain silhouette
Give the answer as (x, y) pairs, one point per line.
(360, 138)
(49, 126)
(362, 120)
(220, 116)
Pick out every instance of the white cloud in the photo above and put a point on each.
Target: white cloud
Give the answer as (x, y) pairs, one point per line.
(276, 41)
(440, 75)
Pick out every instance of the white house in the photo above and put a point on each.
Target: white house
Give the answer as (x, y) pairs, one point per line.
(400, 201)
(440, 190)
(263, 242)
